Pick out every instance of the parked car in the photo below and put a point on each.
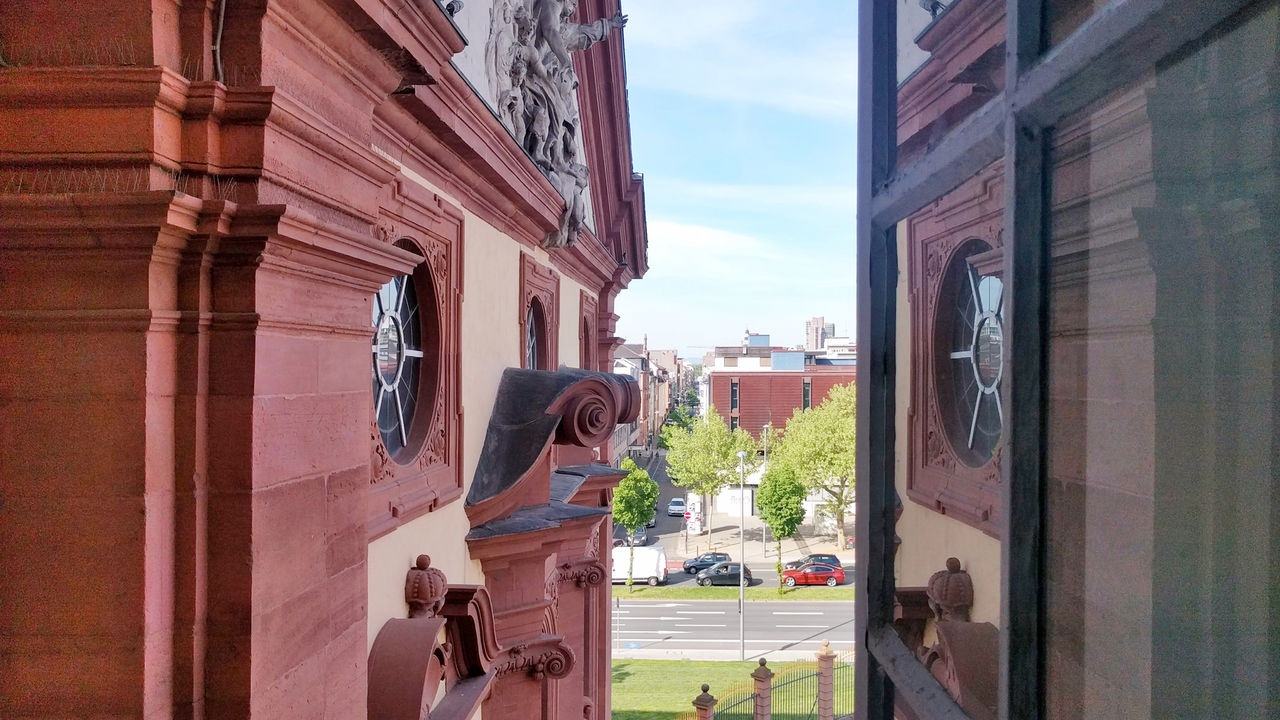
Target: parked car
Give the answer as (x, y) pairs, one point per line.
(848, 543)
(824, 558)
(725, 573)
(676, 508)
(814, 574)
(650, 565)
(704, 561)
(638, 538)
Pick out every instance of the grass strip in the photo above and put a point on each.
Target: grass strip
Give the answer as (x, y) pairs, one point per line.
(665, 689)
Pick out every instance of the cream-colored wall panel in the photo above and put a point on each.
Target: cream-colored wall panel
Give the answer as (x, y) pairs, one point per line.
(490, 327)
(570, 322)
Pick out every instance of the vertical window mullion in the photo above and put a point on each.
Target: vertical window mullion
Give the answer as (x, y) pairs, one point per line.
(1026, 232)
(877, 281)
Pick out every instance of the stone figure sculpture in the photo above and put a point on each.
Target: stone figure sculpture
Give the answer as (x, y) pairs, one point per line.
(530, 72)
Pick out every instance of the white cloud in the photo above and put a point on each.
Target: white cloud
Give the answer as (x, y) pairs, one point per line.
(772, 54)
(706, 284)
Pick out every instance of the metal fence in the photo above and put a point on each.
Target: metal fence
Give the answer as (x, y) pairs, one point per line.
(793, 693)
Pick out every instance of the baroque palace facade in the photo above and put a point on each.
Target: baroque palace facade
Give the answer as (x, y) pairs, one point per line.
(214, 502)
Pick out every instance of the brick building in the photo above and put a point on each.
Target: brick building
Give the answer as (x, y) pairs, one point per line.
(754, 385)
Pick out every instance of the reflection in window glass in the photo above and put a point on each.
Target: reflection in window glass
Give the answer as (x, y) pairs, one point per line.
(948, 566)
(1161, 561)
(397, 348)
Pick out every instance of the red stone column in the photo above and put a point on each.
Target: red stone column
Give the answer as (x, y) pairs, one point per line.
(288, 407)
(87, 354)
(826, 682)
(763, 678)
(705, 703)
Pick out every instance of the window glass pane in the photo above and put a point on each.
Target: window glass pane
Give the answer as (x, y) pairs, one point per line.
(1162, 583)
(950, 329)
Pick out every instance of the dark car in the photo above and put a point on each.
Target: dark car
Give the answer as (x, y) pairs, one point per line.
(704, 561)
(638, 538)
(725, 573)
(824, 558)
(814, 574)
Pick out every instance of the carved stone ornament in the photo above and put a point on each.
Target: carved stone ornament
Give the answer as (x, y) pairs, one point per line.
(951, 592)
(582, 573)
(424, 588)
(534, 85)
(436, 665)
(548, 655)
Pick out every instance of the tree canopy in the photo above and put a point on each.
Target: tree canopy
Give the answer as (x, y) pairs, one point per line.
(634, 503)
(705, 458)
(819, 447)
(780, 500)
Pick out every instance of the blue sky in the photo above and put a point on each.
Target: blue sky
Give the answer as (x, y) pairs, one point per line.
(742, 121)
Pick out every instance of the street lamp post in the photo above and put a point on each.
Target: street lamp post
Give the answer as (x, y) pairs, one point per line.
(742, 554)
(764, 546)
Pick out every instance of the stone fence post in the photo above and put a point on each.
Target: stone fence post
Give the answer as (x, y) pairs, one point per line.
(705, 703)
(826, 682)
(764, 690)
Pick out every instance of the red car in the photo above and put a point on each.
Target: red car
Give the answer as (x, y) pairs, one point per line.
(813, 574)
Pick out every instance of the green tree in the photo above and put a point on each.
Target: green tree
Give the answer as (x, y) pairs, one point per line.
(691, 398)
(680, 418)
(705, 459)
(819, 447)
(634, 504)
(780, 500)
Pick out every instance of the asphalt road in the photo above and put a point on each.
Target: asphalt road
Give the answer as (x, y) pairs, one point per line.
(708, 629)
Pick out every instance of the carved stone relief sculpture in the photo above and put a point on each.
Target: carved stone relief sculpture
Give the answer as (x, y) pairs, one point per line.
(534, 85)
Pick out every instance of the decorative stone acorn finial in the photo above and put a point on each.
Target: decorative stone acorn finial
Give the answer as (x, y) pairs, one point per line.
(705, 700)
(950, 592)
(424, 588)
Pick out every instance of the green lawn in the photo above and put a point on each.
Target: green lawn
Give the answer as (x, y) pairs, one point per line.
(760, 592)
(665, 689)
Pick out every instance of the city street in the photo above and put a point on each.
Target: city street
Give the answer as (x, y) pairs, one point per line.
(708, 629)
(724, 537)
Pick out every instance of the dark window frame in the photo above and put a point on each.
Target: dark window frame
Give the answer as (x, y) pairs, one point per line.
(1110, 49)
(735, 398)
(806, 394)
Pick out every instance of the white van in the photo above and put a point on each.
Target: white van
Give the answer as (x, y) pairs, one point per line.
(650, 567)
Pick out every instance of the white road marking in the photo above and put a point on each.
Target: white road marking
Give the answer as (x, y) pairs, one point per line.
(700, 612)
(807, 643)
(655, 632)
(690, 625)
